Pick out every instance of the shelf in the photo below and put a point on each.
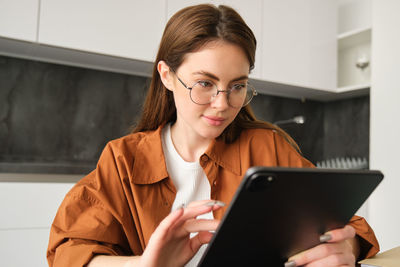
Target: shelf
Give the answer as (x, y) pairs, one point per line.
(354, 38)
(353, 88)
(70, 57)
(354, 47)
(344, 35)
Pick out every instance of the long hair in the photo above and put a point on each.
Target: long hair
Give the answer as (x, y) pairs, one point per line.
(188, 31)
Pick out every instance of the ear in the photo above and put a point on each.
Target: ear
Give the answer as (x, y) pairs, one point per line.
(165, 74)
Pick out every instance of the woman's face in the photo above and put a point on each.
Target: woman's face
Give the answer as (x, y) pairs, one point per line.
(225, 65)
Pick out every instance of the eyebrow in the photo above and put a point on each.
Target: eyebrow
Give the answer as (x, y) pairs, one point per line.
(212, 76)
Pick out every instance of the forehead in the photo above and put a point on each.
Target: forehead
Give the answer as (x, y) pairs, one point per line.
(220, 58)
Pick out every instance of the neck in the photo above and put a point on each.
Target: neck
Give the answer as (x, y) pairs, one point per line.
(190, 146)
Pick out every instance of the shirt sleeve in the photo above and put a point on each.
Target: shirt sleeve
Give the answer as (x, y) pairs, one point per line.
(369, 245)
(289, 157)
(86, 224)
(83, 228)
(74, 242)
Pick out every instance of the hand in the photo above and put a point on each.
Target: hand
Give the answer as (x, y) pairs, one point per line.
(337, 251)
(171, 245)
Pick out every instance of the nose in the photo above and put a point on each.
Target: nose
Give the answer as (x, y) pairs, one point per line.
(220, 101)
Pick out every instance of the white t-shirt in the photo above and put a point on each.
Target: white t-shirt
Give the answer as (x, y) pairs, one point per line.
(189, 179)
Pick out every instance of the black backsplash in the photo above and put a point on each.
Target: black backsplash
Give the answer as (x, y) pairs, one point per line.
(310, 135)
(57, 119)
(346, 128)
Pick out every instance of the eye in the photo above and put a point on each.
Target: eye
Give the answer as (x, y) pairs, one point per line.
(205, 84)
(238, 86)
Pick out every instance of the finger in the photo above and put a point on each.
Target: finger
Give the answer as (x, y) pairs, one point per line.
(334, 260)
(187, 214)
(338, 235)
(206, 202)
(166, 224)
(198, 225)
(200, 239)
(171, 219)
(319, 252)
(192, 212)
(199, 202)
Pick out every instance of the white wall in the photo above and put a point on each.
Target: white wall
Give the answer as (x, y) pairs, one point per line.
(384, 210)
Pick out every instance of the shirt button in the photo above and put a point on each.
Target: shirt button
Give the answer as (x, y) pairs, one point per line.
(204, 158)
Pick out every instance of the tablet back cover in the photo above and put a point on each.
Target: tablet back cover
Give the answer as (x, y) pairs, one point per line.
(278, 212)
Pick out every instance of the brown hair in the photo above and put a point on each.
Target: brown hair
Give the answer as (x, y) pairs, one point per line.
(188, 31)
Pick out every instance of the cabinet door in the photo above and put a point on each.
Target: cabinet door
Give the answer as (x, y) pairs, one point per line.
(251, 13)
(27, 212)
(33, 242)
(19, 19)
(30, 205)
(299, 43)
(122, 28)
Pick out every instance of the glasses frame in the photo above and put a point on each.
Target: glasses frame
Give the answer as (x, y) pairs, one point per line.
(228, 92)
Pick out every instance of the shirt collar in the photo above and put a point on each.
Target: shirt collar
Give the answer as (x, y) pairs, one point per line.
(226, 155)
(149, 163)
(149, 166)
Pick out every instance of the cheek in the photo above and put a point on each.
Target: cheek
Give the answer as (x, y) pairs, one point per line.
(234, 113)
(184, 104)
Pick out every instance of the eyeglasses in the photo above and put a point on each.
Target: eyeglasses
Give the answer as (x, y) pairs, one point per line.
(205, 91)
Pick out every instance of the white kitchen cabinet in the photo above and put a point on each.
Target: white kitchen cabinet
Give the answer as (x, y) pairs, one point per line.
(122, 28)
(354, 14)
(30, 205)
(354, 58)
(296, 40)
(354, 45)
(297, 47)
(27, 212)
(251, 13)
(24, 247)
(299, 43)
(19, 19)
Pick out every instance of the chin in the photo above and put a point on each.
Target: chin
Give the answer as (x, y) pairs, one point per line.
(213, 133)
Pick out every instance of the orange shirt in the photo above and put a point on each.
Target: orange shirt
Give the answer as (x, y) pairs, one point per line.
(115, 209)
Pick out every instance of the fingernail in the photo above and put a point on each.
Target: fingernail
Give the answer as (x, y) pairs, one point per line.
(180, 207)
(210, 204)
(325, 238)
(220, 203)
(290, 264)
(215, 202)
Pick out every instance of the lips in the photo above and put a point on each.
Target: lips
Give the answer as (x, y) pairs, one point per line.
(213, 120)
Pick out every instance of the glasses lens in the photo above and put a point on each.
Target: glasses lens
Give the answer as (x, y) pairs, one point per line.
(239, 95)
(203, 92)
(251, 92)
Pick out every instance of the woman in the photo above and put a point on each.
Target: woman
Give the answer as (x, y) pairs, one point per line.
(154, 189)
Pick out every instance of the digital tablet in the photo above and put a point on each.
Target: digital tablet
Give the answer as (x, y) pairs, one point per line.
(278, 212)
